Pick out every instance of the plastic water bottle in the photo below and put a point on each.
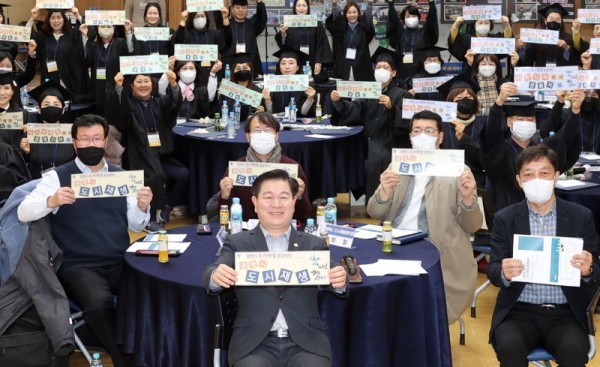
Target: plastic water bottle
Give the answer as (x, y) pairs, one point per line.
(231, 126)
(96, 362)
(235, 216)
(237, 109)
(310, 227)
(307, 69)
(292, 109)
(24, 96)
(227, 72)
(330, 212)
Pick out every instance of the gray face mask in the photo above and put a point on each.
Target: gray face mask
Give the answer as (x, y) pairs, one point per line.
(106, 33)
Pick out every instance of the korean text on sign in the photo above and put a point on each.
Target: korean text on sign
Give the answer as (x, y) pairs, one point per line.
(244, 173)
(447, 110)
(546, 78)
(595, 46)
(300, 21)
(365, 90)
(588, 16)
(245, 95)
(203, 5)
(148, 64)
(196, 52)
(589, 79)
(429, 85)
(436, 162)
(11, 121)
(476, 12)
(105, 17)
(492, 45)
(286, 83)
(290, 268)
(107, 185)
(49, 133)
(541, 36)
(152, 33)
(55, 4)
(14, 33)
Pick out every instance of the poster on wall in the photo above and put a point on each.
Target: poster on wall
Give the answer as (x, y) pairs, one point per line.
(527, 10)
(592, 4)
(451, 9)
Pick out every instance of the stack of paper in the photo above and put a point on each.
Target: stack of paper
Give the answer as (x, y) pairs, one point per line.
(150, 242)
(371, 231)
(393, 267)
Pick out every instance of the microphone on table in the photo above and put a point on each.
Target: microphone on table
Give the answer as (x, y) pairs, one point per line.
(349, 261)
(583, 169)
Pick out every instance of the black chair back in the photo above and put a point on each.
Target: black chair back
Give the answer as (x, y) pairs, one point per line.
(223, 331)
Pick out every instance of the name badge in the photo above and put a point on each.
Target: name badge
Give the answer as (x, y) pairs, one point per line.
(240, 48)
(408, 58)
(205, 64)
(101, 74)
(551, 64)
(154, 140)
(351, 53)
(304, 49)
(52, 66)
(155, 53)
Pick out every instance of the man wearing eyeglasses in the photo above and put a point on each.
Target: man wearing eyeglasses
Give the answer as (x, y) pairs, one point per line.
(92, 233)
(444, 207)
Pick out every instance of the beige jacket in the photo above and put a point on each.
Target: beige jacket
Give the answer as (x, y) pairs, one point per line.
(450, 223)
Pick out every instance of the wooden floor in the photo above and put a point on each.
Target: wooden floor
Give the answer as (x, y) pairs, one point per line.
(475, 353)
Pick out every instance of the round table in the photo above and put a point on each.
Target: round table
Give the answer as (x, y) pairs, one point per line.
(166, 318)
(331, 165)
(588, 197)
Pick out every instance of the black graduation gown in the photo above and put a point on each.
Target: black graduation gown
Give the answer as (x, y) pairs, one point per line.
(498, 155)
(10, 47)
(30, 70)
(152, 47)
(221, 37)
(245, 110)
(135, 120)
(588, 126)
(361, 37)
(99, 56)
(462, 44)
(13, 170)
(470, 144)
(406, 40)
(315, 38)
(540, 55)
(384, 129)
(247, 32)
(281, 100)
(69, 54)
(198, 108)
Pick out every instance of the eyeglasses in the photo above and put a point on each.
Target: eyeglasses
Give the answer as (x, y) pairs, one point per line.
(266, 130)
(91, 141)
(429, 131)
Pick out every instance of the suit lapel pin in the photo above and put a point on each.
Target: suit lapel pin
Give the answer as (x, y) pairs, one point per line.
(295, 244)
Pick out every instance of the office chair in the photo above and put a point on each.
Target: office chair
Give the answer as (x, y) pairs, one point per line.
(222, 334)
(481, 243)
(541, 358)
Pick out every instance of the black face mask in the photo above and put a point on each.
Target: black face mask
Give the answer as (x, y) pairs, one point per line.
(90, 156)
(553, 26)
(243, 75)
(590, 104)
(466, 106)
(51, 114)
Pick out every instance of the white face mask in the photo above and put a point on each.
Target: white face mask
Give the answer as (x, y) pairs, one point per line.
(199, 23)
(482, 29)
(411, 22)
(433, 67)
(523, 130)
(382, 75)
(262, 143)
(423, 141)
(538, 191)
(106, 33)
(187, 76)
(487, 70)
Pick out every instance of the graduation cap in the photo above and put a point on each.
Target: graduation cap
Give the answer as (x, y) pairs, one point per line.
(239, 2)
(520, 107)
(430, 51)
(290, 52)
(8, 78)
(459, 81)
(2, 7)
(50, 88)
(385, 54)
(241, 58)
(553, 8)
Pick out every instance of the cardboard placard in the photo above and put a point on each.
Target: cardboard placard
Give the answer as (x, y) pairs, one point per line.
(196, 52)
(244, 173)
(14, 33)
(541, 36)
(203, 5)
(107, 184)
(286, 83)
(477, 12)
(49, 134)
(148, 64)
(300, 21)
(594, 46)
(447, 110)
(589, 79)
(152, 33)
(245, 95)
(546, 78)
(429, 85)
(54, 4)
(588, 15)
(492, 45)
(435, 162)
(105, 17)
(364, 90)
(11, 121)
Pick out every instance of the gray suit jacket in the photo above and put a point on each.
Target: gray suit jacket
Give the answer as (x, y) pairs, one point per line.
(258, 306)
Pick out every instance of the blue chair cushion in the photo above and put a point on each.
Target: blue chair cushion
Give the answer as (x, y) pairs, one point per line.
(539, 354)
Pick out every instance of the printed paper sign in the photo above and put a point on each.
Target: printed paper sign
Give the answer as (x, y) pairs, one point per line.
(196, 52)
(492, 45)
(105, 17)
(542, 36)
(203, 5)
(447, 110)
(49, 133)
(476, 12)
(11, 121)
(429, 85)
(14, 33)
(107, 184)
(286, 83)
(300, 21)
(435, 162)
(244, 173)
(588, 16)
(594, 46)
(274, 3)
(282, 268)
(546, 78)
(340, 235)
(55, 4)
(245, 95)
(589, 79)
(365, 90)
(148, 64)
(152, 33)
(547, 260)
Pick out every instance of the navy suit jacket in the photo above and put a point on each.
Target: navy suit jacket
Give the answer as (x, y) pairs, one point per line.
(258, 306)
(572, 220)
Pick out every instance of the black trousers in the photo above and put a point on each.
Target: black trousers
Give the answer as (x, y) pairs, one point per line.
(558, 331)
(281, 352)
(92, 289)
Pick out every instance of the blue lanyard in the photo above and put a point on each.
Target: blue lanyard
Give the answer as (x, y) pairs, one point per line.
(205, 34)
(352, 31)
(42, 156)
(411, 45)
(144, 117)
(100, 48)
(593, 133)
(237, 32)
(55, 48)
